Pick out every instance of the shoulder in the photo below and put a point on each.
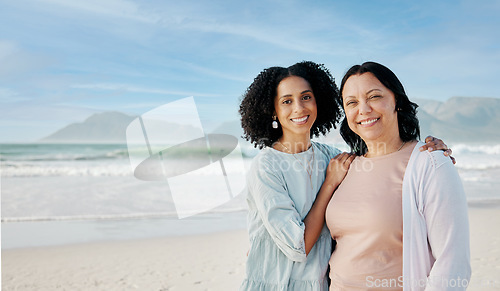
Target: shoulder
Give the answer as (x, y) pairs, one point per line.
(428, 160)
(265, 173)
(329, 151)
(267, 161)
(265, 157)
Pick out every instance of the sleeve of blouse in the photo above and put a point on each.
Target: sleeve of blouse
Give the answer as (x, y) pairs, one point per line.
(278, 212)
(445, 211)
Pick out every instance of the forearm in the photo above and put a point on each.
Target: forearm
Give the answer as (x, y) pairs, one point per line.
(315, 219)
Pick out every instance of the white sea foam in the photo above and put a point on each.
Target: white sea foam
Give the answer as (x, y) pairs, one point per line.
(100, 168)
(476, 149)
(476, 157)
(477, 162)
(33, 169)
(478, 166)
(90, 217)
(145, 215)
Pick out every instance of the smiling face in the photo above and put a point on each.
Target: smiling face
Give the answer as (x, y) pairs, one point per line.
(295, 107)
(370, 109)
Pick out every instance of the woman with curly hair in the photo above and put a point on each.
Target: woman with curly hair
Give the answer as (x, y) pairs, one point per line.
(292, 179)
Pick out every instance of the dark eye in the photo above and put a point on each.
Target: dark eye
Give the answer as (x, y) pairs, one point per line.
(287, 101)
(306, 97)
(350, 102)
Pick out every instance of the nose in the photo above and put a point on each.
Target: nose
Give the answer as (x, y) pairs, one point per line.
(364, 108)
(298, 106)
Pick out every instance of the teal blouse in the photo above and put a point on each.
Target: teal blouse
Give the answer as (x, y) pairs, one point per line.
(280, 194)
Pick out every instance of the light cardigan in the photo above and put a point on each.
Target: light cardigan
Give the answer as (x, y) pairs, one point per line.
(436, 253)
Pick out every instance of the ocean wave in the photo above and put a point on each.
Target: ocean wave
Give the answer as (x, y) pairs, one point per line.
(98, 168)
(476, 149)
(90, 217)
(52, 157)
(104, 217)
(483, 202)
(61, 152)
(478, 166)
(33, 170)
(117, 154)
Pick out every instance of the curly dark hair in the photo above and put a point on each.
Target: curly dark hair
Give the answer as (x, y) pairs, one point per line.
(257, 104)
(406, 110)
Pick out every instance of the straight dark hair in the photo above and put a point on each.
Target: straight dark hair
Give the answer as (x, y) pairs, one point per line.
(406, 110)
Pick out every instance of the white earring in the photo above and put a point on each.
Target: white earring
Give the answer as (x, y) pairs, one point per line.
(275, 123)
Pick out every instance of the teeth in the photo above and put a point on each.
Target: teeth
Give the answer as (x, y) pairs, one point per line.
(299, 119)
(368, 121)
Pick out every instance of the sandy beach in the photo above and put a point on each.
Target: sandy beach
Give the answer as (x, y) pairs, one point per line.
(485, 246)
(201, 262)
(197, 262)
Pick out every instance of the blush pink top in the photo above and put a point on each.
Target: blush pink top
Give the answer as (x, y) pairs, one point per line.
(365, 218)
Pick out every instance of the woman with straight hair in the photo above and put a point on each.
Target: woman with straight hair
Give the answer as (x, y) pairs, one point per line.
(400, 215)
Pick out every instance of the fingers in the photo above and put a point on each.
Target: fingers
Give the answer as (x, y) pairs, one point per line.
(428, 144)
(439, 145)
(433, 144)
(341, 156)
(338, 168)
(344, 159)
(350, 159)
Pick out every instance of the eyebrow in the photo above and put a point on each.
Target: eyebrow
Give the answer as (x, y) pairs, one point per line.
(290, 95)
(369, 91)
(374, 89)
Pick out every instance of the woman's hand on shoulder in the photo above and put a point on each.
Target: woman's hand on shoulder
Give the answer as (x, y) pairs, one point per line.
(433, 143)
(337, 169)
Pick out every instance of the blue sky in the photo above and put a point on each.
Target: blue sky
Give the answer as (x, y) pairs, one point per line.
(61, 61)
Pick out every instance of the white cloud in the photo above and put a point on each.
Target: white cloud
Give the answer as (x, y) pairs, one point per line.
(109, 8)
(211, 72)
(136, 89)
(444, 71)
(7, 49)
(8, 95)
(15, 61)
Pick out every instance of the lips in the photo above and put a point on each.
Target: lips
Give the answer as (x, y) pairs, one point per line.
(300, 120)
(368, 122)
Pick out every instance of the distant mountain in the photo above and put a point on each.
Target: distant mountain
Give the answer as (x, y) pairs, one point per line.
(106, 127)
(111, 127)
(459, 119)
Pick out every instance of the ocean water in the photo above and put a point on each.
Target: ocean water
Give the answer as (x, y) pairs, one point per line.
(479, 169)
(69, 193)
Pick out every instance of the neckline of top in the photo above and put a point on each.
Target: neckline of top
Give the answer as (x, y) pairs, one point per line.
(309, 150)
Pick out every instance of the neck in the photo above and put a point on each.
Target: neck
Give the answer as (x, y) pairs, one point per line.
(376, 149)
(293, 144)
